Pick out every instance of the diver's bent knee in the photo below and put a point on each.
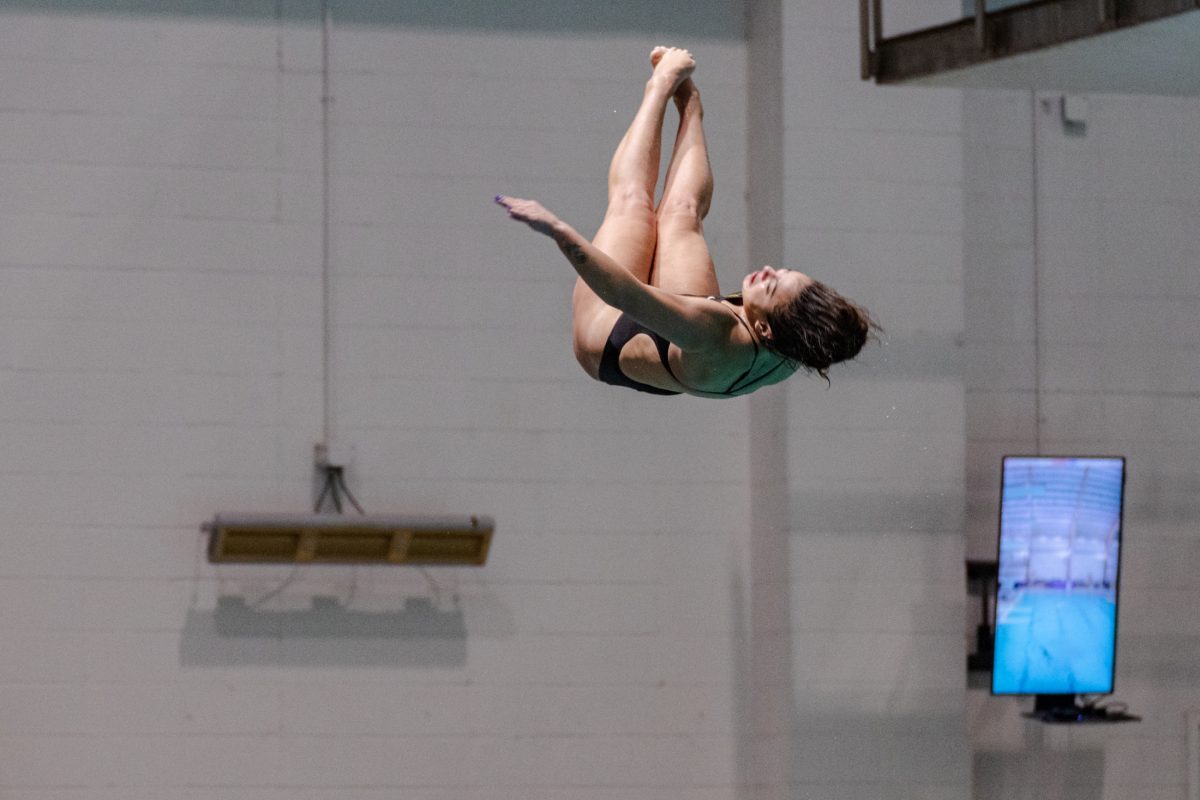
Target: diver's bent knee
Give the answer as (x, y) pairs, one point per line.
(684, 212)
(630, 198)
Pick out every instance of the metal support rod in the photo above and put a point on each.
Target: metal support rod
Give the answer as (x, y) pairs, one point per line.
(1034, 235)
(1108, 12)
(864, 40)
(1193, 748)
(980, 24)
(877, 16)
(326, 227)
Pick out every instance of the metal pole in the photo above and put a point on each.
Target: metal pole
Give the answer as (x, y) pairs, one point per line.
(864, 40)
(980, 28)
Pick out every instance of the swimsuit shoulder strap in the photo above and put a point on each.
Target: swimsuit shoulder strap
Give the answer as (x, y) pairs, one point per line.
(736, 299)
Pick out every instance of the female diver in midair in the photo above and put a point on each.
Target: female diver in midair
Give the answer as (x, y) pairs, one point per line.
(647, 310)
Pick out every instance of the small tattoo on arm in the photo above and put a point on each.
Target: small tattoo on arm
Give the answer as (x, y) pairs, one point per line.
(574, 253)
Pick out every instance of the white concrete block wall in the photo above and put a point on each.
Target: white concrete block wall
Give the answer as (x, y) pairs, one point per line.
(1117, 290)
(160, 291)
(161, 360)
(872, 192)
(610, 604)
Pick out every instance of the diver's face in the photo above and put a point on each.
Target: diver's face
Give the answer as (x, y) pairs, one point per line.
(770, 288)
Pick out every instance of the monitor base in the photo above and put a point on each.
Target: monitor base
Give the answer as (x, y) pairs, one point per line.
(1062, 709)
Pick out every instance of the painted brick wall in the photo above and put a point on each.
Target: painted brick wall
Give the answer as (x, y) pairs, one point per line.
(160, 293)
(161, 296)
(1114, 358)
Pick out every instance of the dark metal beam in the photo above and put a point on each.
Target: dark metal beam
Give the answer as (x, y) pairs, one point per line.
(1008, 32)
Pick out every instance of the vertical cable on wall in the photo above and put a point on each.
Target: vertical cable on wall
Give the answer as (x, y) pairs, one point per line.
(1037, 333)
(1193, 748)
(326, 217)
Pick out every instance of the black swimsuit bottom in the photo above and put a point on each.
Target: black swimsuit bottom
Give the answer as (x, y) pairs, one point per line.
(610, 361)
(626, 328)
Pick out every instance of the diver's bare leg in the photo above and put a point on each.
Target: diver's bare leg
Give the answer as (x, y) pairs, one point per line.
(629, 230)
(682, 263)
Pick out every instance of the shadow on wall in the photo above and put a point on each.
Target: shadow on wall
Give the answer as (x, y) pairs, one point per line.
(1168, 661)
(1037, 773)
(906, 754)
(326, 635)
(714, 19)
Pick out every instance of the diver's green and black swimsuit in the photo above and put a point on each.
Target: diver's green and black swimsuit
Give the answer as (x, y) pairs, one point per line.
(626, 328)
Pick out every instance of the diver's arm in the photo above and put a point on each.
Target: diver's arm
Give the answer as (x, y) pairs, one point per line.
(692, 323)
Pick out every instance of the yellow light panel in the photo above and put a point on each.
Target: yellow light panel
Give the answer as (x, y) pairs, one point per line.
(336, 539)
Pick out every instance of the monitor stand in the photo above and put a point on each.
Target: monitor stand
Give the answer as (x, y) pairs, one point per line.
(1064, 708)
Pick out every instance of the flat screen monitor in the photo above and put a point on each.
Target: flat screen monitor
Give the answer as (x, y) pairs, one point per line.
(1059, 565)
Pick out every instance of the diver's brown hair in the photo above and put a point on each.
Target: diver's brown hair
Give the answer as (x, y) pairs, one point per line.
(819, 328)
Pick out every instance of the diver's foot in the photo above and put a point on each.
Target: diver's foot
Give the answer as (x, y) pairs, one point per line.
(672, 66)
